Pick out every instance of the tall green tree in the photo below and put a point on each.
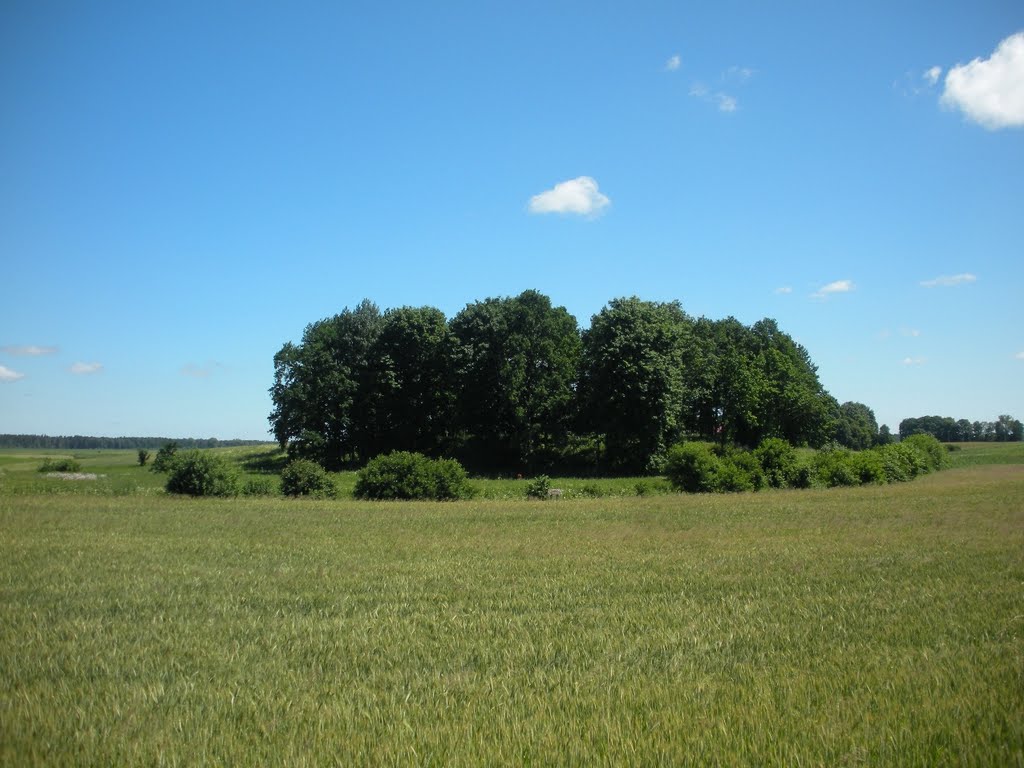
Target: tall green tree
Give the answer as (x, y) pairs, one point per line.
(517, 378)
(857, 427)
(320, 393)
(411, 393)
(633, 385)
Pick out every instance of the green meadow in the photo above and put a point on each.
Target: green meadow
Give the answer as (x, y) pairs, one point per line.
(878, 625)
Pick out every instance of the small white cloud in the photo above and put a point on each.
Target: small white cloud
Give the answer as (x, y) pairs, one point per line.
(990, 91)
(6, 374)
(726, 103)
(84, 369)
(741, 74)
(673, 63)
(1019, 356)
(949, 281)
(931, 76)
(837, 286)
(29, 350)
(914, 360)
(783, 290)
(580, 196)
(698, 90)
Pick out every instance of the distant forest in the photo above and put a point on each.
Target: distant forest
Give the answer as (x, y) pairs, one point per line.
(83, 442)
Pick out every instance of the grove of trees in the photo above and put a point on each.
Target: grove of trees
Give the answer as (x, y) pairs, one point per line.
(949, 430)
(512, 384)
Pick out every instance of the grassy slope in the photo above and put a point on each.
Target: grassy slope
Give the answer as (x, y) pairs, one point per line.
(857, 626)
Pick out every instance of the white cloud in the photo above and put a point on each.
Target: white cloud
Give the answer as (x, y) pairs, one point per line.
(949, 281)
(698, 90)
(837, 286)
(784, 289)
(29, 350)
(6, 374)
(1019, 356)
(726, 103)
(673, 63)
(931, 76)
(990, 91)
(738, 73)
(580, 196)
(914, 360)
(84, 369)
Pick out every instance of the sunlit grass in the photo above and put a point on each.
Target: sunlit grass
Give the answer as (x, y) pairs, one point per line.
(837, 627)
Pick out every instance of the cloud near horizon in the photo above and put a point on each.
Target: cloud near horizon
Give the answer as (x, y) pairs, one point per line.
(836, 286)
(7, 375)
(85, 369)
(579, 196)
(990, 92)
(949, 281)
(28, 350)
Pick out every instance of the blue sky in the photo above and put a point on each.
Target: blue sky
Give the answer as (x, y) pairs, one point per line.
(184, 186)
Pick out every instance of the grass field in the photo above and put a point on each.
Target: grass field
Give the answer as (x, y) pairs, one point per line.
(867, 626)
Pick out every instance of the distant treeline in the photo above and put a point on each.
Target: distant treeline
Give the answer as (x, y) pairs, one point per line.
(949, 430)
(83, 442)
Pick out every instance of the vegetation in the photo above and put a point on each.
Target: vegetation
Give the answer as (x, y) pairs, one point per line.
(87, 442)
(410, 476)
(165, 457)
(303, 477)
(1004, 429)
(60, 465)
(511, 384)
(201, 473)
(861, 626)
(143, 457)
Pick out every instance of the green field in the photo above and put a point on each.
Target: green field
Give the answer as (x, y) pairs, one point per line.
(867, 626)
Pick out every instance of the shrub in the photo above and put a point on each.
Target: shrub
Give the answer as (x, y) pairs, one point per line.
(731, 477)
(778, 461)
(901, 462)
(201, 473)
(143, 457)
(835, 467)
(935, 456)
(869, 468)
(538, 487)
(303, 477)
(165, 457)
(746, 473)
(404, 475)
(60, 465)
(693, 467)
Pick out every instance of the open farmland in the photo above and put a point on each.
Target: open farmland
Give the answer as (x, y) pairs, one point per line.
(828, 627)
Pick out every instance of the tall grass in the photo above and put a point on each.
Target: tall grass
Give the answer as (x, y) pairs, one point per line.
(845, 627)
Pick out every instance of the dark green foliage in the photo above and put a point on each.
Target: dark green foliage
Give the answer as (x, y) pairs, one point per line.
(778, 461)
(405, 475)
(1004, 429)
(303, 477)
(869, 467)
(884, 435)
(935, 456)
(633, 387)
(538, 487)
(745, 471)
(693, 467)
(143, 457)
(802, 474)
(856, 427)
(60, 465)
(165, 457)
(201, 473)
(901, 462)
(516, 384)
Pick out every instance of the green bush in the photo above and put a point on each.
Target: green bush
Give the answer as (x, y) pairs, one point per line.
(404, 475)
(801, 474)
(693, 467)
(901, 462)
(732, 478)
(869, 467)
(538, 487)
(935, 456)
(165, 457)
(303, 477)
(143, 457)
(836, 467)
(201, 473)
(60, 465)
(778, 461)
(746, 474)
